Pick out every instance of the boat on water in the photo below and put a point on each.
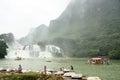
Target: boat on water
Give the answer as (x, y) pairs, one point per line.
(18, 58)
(48, 61)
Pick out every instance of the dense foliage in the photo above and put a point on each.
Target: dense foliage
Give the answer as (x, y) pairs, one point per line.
(5, 41)
(3, 48)
(87, 28)
(29, 76)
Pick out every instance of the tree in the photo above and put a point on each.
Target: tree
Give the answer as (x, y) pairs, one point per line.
(114, 54)
(3, 48)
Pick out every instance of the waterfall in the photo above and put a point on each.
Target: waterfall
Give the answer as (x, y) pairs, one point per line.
(55, 50)
(34, 51)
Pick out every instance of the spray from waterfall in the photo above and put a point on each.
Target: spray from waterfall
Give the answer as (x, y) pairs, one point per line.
(34, 51)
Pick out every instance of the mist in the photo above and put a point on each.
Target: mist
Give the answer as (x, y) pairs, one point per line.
(85, 28)
(18, 17)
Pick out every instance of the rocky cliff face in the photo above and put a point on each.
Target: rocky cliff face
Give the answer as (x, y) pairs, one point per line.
(85, 28)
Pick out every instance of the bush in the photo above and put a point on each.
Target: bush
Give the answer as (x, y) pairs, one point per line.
(3, 47)
(114, 54)
(29, 76)
(20, 77)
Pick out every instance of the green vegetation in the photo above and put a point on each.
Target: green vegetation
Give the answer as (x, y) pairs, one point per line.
(84, 29)
(3, 48)
(5, 41)
(114, 54)
(29, 76)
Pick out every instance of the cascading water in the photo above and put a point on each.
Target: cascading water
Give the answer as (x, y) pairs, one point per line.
(33, 51)
(55, 50)
(15, 50)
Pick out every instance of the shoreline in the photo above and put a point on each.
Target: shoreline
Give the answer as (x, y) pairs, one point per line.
(65, 74)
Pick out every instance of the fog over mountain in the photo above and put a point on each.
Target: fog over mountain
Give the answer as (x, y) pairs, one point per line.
(8, 38)
(85, 28)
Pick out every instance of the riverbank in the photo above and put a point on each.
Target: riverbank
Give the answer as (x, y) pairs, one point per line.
(46, 74)
(29, 76)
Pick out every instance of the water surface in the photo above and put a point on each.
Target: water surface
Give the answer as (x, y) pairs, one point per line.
(36, 64)
(105, 72)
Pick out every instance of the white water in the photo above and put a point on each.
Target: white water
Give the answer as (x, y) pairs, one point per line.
(32, 51)
(53, 48)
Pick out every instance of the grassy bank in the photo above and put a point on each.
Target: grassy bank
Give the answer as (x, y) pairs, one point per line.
(29, 76)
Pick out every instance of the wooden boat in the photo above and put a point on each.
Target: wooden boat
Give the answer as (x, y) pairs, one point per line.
(95, 61)
(48, 61)
(18, 58)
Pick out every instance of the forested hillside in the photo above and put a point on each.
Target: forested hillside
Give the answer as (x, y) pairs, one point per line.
(86, 28)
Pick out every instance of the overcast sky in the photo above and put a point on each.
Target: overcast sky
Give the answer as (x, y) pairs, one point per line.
(19, 16)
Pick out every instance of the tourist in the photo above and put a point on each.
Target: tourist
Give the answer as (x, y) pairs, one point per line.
(62, 69)
(72, 68)
(20, 69)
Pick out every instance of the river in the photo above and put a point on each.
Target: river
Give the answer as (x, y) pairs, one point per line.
(105, 72)
(36, 64)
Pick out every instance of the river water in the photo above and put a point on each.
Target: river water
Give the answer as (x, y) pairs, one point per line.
(80, 66)
(36, 64)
